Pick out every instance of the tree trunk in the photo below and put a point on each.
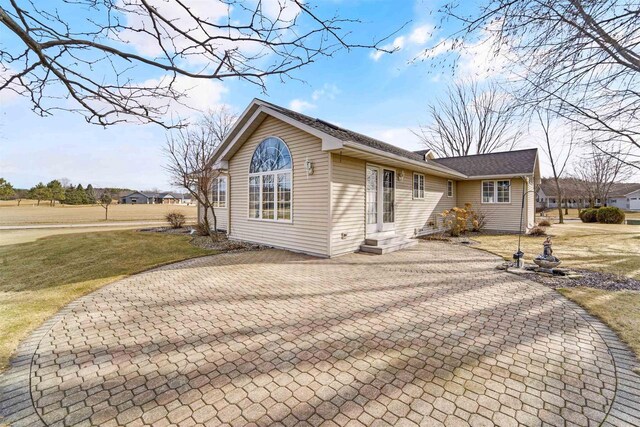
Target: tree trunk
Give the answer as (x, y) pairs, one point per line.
(213, 231)
(106, 213)
(559, 199)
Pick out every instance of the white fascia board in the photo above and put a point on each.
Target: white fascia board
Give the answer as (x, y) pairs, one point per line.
(510, 176)
(416, 163)
(221, 165)
(328, 142)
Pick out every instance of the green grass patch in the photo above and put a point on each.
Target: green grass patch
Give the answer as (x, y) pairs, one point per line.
(38, 278)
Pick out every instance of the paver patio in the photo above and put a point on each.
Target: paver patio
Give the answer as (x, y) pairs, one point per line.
(427, 336)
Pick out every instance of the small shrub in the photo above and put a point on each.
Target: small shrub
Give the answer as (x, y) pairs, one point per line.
(610, 215)
(589, 215)
(477, 219)
(176, 219)
(201, 229)
(455, 221)
(537, 231)
(544, 223)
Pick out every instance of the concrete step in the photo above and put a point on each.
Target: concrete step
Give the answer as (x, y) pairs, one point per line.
(383, 240)
(385, 249)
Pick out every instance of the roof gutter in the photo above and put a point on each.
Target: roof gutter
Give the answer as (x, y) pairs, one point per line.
(442, 169)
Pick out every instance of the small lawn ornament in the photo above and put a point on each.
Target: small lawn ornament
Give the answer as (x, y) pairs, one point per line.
(546, 260)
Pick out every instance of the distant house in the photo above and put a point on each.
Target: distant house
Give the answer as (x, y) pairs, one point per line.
(573, 191)
(622, 195)
(625, 196)
(148, 198)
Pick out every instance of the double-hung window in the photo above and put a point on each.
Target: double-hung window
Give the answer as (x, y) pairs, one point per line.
(219, 192)
(270, 192)
(498, 191)
(418, 186)
(449, 188)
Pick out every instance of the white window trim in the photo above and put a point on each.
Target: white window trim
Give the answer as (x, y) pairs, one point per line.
(449, 182)
(495, 192)
(424, 186)
(216, 203)
(275, 196)
(275, 174)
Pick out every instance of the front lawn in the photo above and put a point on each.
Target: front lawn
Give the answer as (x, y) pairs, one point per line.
(38, 278)
(611, 248)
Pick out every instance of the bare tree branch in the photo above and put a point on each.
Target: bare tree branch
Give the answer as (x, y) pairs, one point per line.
(579, 58)
(95, 60)
(189, 152)
(470, 120)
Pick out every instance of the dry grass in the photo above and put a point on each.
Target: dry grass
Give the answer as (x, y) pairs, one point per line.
(611, 248)
(620, 310)
(29, 213)
(38, 278)
(13, 237)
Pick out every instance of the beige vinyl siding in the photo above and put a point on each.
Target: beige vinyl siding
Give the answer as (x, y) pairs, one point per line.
(221, 217)
(348, 198)
(413, 215)
(222, 214)
(308, 230)
(499, 216)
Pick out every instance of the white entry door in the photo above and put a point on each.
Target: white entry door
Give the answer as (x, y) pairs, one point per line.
(381, 195)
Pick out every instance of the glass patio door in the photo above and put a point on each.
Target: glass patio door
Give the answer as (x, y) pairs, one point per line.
(380, 199)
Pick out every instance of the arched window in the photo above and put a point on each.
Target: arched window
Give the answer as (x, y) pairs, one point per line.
(270, 181)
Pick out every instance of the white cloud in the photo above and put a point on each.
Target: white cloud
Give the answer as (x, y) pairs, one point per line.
(398, 136)
(397, 44)
(328, 91)
(418, 36)
(301, 105)
(140, 30)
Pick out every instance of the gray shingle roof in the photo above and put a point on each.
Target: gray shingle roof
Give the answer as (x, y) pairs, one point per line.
(621, 189)
(507, 163)
(345, 134)
(503, 163)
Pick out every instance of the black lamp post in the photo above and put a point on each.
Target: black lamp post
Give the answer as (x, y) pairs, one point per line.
(519, 255)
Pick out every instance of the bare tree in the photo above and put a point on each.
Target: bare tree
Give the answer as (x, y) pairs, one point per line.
(558, 152)
(598, 171)
(189, 152)
(105, 200)
(470, 120)
(582, 57)
(96, 58)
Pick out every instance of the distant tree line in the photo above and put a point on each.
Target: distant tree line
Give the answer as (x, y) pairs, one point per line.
(55, 191)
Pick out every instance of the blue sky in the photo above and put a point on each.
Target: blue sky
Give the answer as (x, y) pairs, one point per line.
(379, 95)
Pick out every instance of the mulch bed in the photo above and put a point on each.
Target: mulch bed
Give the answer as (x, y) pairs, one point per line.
(589, 279)
(205, 242)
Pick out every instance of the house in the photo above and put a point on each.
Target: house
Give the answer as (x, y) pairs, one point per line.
(622, 195)
(625, 196)
(303, 184)
(136, 198)
(573, 191)
(153, 198)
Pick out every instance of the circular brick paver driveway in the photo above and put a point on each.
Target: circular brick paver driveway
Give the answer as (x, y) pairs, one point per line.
(424, 336)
